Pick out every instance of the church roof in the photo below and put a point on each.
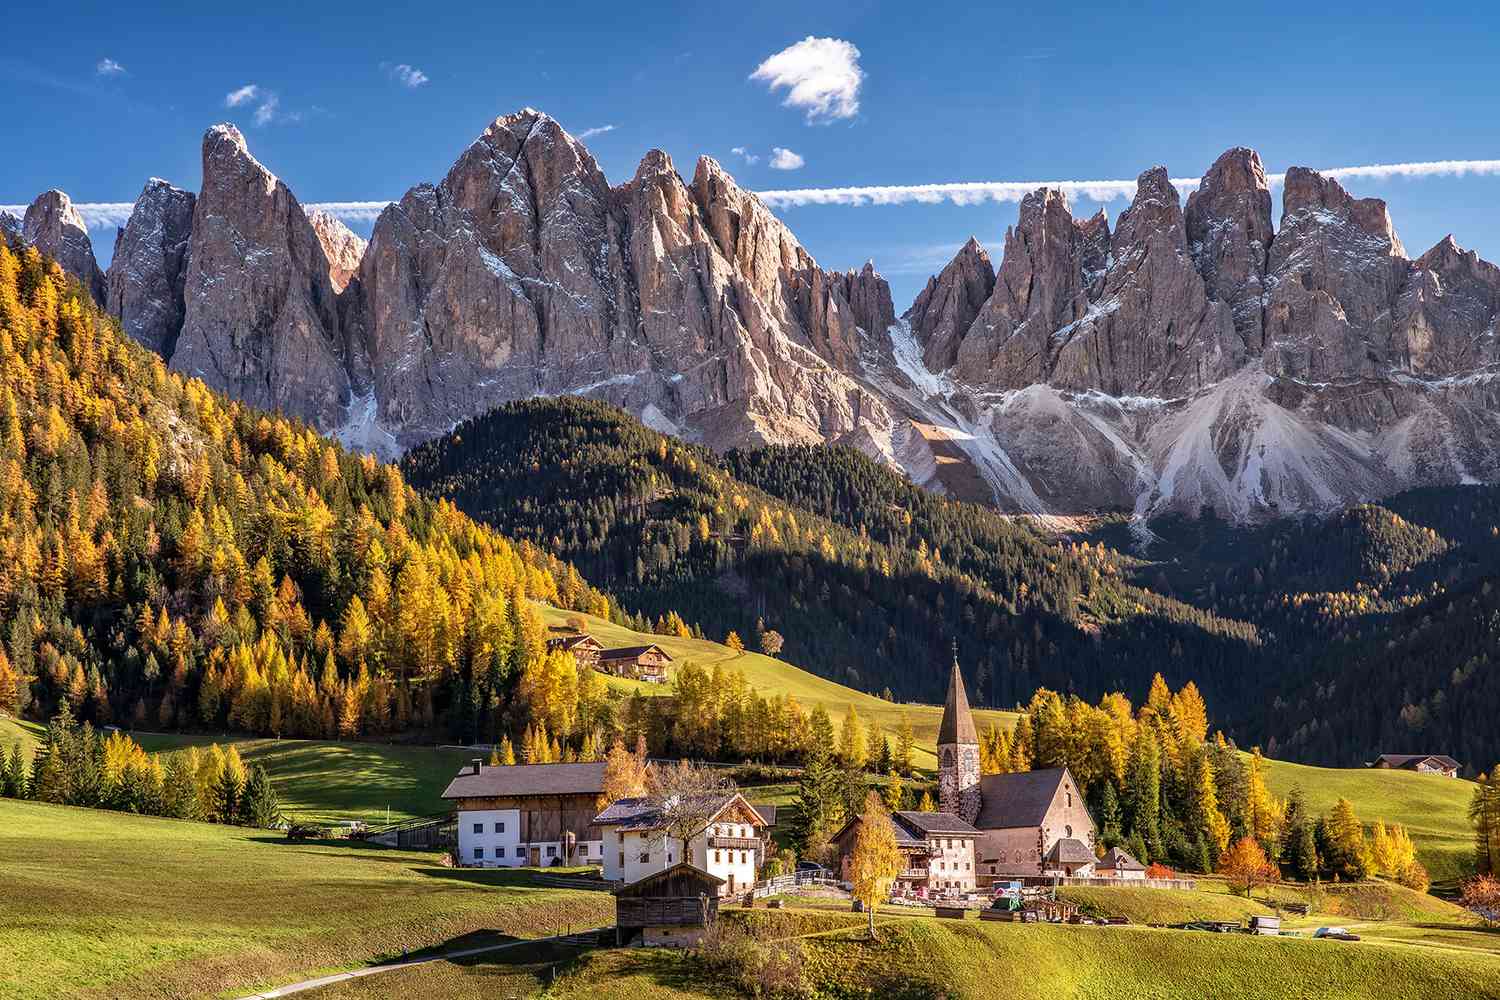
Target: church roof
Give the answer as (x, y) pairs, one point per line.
(958, 721)
(1070, 851)
(1012, 800)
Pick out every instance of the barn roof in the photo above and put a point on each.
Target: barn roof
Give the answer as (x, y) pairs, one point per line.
(681, 871)
(528, 779)
(643, 813)
(631, 652)
(1408, 759)
(935, 823)
(1022, 799)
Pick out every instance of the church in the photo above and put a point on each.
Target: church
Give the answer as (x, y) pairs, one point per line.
(1031, 823)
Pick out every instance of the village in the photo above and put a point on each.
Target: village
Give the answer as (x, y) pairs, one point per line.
(997, 845)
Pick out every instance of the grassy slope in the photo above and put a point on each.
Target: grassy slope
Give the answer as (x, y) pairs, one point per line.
(772, 676)
(95, 903)
(1433, 809)
(925, 958)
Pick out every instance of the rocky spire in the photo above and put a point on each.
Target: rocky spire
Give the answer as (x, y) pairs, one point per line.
(54, 227)
(343, 248)
(1051, 262)
(1336, 269)
(1151, 329)
(944, 310)
(259, 318)
(1447, 313)
(1229, 234)
(144, 285)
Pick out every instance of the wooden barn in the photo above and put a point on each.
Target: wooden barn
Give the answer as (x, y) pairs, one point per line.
(671, 908)
(584, 647)
(642, 663)
(535, 815)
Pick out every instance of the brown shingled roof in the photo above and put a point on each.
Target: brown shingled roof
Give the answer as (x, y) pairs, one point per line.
(958, 721)
(528, 779)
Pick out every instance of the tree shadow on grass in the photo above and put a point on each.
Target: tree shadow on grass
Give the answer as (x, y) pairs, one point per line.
(511, 878)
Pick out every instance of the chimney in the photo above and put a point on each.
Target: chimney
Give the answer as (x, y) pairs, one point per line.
(475, 763)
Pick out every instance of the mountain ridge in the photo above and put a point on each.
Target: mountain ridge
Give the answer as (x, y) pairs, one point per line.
(1188, 357)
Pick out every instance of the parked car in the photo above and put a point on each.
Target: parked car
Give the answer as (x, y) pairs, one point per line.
(1335, 934)
(811, 866)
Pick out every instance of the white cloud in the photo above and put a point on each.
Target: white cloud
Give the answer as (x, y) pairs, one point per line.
(746, 155)
(589, 133)
(785, 159)
(976, 192)
(406, 74)
(266, 113)
(106, 215)
(822, 77)
(244, 95)
(108, 67)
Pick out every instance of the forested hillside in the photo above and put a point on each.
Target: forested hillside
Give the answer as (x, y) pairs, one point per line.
(874, 594)
(171, 558)
(871, 579)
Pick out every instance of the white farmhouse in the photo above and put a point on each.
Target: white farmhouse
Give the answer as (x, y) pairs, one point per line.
(730, 845)
(535, 815)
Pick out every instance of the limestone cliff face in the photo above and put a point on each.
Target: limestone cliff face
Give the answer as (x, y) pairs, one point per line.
(144, 284)
(1182, 359)
(53, 226)
(1229, 233)
(1335, 271)
(260, 319)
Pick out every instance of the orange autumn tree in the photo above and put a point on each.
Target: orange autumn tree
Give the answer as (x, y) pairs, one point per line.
(1246, 867)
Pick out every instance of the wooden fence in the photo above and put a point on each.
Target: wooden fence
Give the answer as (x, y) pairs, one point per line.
(784, 883)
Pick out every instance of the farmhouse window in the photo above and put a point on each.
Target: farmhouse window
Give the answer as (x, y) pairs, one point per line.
(499, 827)
(622, 860)
(551, 851)
(478, 853)
(717, 859)
(478, 827)
(645, 857)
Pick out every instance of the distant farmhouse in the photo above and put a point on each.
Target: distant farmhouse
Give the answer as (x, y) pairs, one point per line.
(937, 851)
(643, 663)
(528, 814)
(1424, 763)
(1032, 823)
(730, 847)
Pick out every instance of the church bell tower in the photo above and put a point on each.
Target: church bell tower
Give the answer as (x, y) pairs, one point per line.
(958, 754)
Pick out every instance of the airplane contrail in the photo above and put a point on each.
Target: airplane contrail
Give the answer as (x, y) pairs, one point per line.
(104, 215)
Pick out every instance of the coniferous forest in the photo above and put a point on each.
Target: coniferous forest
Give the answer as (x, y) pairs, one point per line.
(872, 581)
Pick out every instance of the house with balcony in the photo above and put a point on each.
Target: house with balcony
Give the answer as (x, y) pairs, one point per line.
(731, 845)
(584, 647)
(937, 850)
(643, 663)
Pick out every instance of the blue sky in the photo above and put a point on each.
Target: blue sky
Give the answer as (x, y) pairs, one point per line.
(945, 92)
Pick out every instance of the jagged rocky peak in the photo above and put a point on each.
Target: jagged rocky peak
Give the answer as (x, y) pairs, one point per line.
(54, 227)
(342, 246)
(10, 227)
(1446, 316)
(1052, 265)
(869, 296)
(1335, 272)
(259, 317)
(746, 232)
(146, 274)
(952, 298)
(1151, 329)
(1229, 233)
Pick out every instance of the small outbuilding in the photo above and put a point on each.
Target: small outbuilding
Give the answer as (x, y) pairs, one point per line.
(1117, 864)
(671, 908)
(1422, 763)
(1070, 858)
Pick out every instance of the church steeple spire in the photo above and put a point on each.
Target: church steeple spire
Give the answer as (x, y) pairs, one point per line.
(958, 753)
(958, 720)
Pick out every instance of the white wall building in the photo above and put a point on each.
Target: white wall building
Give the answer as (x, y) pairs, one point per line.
(535, 815)
(730, 846)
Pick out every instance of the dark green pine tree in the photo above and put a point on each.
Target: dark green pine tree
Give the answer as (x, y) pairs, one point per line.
(259, 806)
(179, 791)
(227, 798)
(1299, 847)
(819, 801)
(15, 774)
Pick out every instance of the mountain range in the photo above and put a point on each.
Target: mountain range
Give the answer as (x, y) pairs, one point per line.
(1189, 357)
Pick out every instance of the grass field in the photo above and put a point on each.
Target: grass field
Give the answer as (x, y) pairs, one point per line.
(102, 904)
(1433, 809)
(926, 958)
(769, 675)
